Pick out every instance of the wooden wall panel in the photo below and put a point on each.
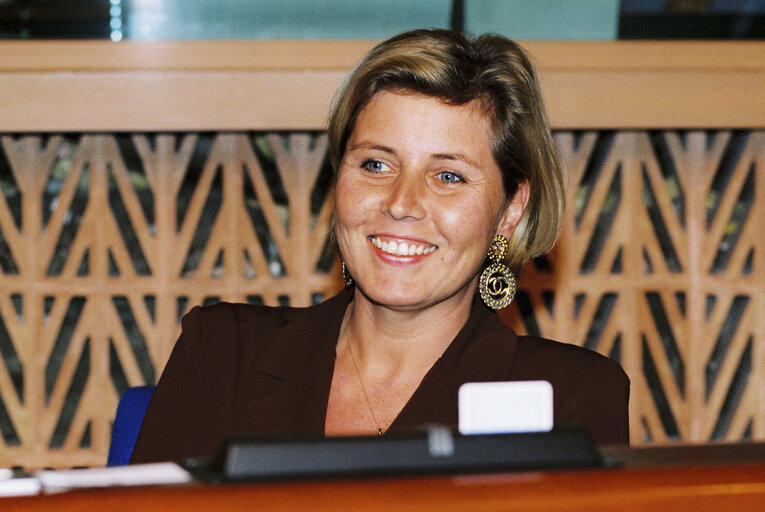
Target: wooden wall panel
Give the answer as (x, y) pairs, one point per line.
(287, 85)
(660, 265)
(114, 238)
(107, 239)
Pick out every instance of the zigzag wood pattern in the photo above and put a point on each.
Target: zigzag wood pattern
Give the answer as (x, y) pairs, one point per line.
(107, 239)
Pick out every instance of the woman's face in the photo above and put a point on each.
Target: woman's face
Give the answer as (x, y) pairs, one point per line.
(418, 200)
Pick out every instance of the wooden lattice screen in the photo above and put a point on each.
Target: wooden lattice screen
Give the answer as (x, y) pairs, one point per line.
(661, 265)
(116, 219)
(108, 239)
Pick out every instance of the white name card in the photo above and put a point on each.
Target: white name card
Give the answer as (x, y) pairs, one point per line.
(505, 407)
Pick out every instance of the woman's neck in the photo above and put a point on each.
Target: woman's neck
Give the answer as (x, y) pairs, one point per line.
(402, 341)
(382, 356)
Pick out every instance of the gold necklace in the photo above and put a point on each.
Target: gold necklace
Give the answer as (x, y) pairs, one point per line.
(380, 430)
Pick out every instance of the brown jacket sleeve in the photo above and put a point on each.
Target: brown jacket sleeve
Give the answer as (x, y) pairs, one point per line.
(170, 429)
(605, 411)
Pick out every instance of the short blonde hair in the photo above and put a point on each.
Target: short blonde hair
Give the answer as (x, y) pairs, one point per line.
(457, 70)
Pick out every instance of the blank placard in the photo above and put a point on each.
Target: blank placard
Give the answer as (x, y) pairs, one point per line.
(505, 407)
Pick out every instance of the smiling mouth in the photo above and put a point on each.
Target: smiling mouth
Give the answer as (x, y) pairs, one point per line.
(402, 248)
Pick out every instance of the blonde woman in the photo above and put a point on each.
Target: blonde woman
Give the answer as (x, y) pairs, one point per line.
(446, 182)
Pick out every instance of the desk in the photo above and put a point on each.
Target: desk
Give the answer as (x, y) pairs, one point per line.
(738, 487)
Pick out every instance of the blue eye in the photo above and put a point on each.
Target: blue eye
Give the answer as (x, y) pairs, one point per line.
(450, 177)
(373, 165)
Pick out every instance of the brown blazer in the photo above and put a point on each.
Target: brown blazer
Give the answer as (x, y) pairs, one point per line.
(243, 369)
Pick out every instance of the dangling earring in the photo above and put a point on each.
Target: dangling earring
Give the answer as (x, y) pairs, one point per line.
(497, 284)
(347, 277)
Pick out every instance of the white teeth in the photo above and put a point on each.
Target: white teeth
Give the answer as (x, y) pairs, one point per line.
(402, 248)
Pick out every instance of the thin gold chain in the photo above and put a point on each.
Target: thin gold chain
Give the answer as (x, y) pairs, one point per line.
(380, 430)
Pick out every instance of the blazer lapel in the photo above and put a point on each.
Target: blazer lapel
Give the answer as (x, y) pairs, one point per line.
(290, 380)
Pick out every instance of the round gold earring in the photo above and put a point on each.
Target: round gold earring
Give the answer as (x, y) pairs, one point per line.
(347, 277)
(497, 283)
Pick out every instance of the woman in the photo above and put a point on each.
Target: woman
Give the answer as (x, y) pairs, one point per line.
(442, 155)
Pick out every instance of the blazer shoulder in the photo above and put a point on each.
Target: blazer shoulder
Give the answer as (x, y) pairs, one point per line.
(236, 313)
(570, 362)
(589, 389)
(225, 330)
(225, 319)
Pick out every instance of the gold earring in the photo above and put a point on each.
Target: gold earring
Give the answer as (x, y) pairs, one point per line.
(497, 284)
(347, 277)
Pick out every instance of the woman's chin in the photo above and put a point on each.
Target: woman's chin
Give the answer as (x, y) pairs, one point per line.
(397, 298)
(406, 298)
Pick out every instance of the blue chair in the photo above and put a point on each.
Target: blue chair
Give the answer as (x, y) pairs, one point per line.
(127, 423)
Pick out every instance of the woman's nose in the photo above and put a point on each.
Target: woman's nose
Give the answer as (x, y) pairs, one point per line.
(405, 198)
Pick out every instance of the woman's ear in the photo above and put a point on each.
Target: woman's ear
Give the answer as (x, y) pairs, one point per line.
(514, 209)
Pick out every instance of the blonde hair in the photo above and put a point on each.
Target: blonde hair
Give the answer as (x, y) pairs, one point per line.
(457, 70)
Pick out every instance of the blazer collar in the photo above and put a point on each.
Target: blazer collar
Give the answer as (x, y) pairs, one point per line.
(292, 377)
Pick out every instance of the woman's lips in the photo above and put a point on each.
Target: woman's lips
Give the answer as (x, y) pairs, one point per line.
(402, 248)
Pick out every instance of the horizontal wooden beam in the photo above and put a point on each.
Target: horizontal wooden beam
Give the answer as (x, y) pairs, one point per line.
(252, 85)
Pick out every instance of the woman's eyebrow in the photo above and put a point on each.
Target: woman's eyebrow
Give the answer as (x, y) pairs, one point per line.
(455, 156)
(369, 145)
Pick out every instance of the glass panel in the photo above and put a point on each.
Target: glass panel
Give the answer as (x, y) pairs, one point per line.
(378, 19)
(285, 19)
(544, 19)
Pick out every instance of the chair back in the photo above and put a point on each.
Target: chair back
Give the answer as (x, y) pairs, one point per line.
(127, 423)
